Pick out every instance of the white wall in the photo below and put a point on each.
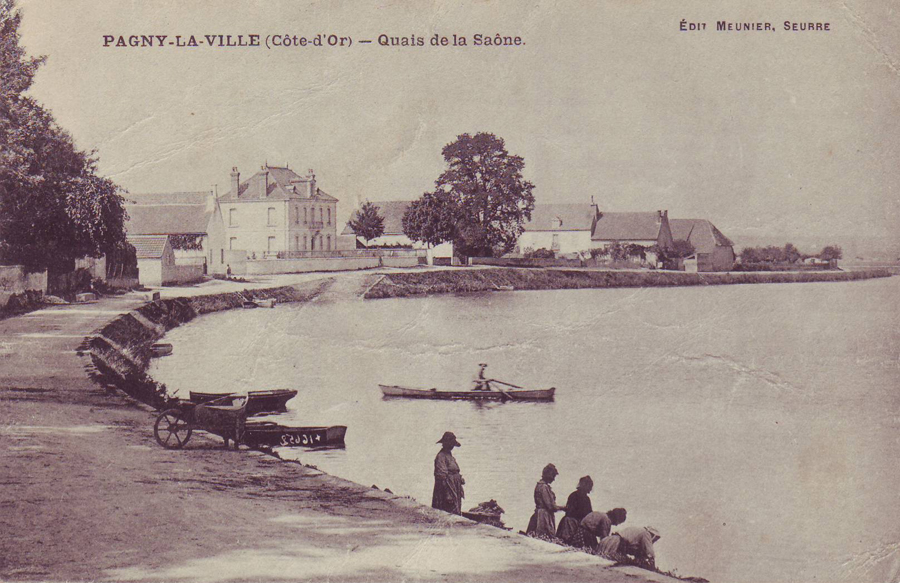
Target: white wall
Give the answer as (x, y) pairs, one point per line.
(442, 250)
(569, 241)
(150, 272)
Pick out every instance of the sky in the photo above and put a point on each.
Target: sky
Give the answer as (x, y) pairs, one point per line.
(774, 136)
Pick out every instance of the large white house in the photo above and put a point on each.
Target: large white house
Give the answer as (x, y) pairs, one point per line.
(277, 210)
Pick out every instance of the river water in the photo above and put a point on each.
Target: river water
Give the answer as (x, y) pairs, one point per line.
(756, 426)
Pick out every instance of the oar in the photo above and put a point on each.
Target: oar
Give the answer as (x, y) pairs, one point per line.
(506, 396)
(507, 384)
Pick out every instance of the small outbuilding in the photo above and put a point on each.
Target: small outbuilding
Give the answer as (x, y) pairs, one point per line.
(156, 262)
(713, 251)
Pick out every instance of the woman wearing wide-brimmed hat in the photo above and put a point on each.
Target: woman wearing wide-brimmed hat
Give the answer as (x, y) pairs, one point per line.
(543, 521)
(448, 483)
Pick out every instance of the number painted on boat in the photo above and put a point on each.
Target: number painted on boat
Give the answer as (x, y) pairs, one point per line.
(288, 439)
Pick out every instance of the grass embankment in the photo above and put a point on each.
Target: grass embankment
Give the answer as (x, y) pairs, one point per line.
(477, 280)
(120, 351)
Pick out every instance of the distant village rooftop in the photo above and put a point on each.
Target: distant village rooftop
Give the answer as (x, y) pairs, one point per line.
(628, 226)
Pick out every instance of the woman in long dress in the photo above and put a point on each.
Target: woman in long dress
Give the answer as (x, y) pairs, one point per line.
(577, 507)
(448, 483)
(543, 521)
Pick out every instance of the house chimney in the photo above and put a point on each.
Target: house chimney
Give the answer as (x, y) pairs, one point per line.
(235, 181)
(264, 182)
(659, 216)
(311, 183)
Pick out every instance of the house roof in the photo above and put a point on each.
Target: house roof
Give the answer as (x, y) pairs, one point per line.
(562, 217)
(392, 212)
(702, 234)
(148, 246)
(627, 227)
(167, 219)
(283, 184)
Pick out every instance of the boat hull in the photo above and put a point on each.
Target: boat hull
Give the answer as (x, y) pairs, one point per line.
(265, 434)
(259, 401)
(511, 395)
(161, 349)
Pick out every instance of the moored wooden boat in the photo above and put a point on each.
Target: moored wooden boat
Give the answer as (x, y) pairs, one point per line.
(268, 434)
(262, 303)
(506, 395)
(271, 401)
(160, 349)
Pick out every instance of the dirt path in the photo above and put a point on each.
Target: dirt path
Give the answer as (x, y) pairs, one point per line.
(87, 494)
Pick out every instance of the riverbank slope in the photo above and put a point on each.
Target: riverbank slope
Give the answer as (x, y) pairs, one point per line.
(88, 495)
(507, 278)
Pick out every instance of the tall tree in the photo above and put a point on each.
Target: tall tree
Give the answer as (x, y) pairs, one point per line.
(492, 199)
(831, 253)
(431, 219)
(53, 205)
(367, 222)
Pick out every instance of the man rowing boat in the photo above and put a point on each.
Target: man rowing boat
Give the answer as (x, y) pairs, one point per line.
(481, 382)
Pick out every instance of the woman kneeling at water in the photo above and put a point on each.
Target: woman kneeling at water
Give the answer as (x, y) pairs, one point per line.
(597, 526)
(577, 507)
(634, 542)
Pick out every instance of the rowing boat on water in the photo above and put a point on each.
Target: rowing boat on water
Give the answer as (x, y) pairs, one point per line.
(510, 395)
(270, 401)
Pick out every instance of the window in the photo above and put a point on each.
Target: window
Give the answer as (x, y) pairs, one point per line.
(232, 217)
(329, 216)
(321, 220)
(297, 243)
(232, 243)
(272, 217)
(304, 216)
(297, 215)
(271, 245)
(328, 245)
(222, 260)
(304, 239)
(312, 243)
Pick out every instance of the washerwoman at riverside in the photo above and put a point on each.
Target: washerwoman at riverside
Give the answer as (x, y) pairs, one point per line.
(543, 521)
(595, 527)
(448, 483)
(577, 507)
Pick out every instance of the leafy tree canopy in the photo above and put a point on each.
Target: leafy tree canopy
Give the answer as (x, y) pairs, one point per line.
(831, 253)
(485, 190)
(367, 222)
(431, 219)
(53, 205)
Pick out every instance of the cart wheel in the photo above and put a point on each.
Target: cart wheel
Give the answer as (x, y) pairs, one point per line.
(171, 429)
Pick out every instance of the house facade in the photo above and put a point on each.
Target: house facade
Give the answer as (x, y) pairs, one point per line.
(278, 211)
(563, 228)
(646, 229)
(392, 212)
(193, 220)
(713, 251)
